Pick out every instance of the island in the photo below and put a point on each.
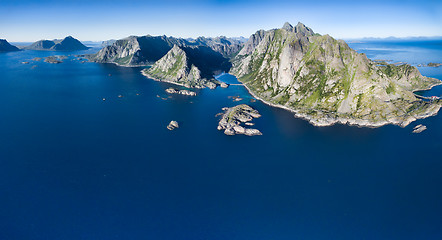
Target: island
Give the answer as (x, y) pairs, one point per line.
(67, 44)
(324, 81)
(232, 119)
(5, 46)
(434, 64)
(55, 59)
(172, 125)
(181, 92)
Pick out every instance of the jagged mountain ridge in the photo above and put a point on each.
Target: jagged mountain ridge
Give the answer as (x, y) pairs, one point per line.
(146, 50)
(67, 44)
(5, 46)
(327, 82)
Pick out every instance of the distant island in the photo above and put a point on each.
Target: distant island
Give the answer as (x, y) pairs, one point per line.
(317, 77)
(67, 44)
(5, 46)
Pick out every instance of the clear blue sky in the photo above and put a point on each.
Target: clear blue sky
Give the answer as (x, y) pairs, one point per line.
(31, 20)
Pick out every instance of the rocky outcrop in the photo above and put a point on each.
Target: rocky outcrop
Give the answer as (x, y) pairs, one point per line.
(191, 67)
(232, 119)
(54, 59)
(434, 64)
(181, 92)
(5, 46)
(146, 50)
(419, 128)
(325, 81)
(172, 125)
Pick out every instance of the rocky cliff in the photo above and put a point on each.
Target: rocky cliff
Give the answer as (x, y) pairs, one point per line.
(67, 44)
(145, 50)
(191, 67)
(325, 81)
(5, 46)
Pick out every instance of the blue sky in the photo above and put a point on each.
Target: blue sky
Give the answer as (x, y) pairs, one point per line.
(96, 20)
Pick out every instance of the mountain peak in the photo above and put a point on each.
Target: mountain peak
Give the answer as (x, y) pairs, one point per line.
(287, 26)
(301, 28)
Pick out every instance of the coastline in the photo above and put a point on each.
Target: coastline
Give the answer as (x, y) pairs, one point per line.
(166, 81)
(326, 122)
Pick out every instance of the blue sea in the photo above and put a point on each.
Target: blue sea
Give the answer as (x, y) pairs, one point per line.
(73, 166)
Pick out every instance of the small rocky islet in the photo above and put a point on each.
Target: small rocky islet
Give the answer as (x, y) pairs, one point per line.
(181, 92)
(233, 118)
(419, 128)
(172, 125)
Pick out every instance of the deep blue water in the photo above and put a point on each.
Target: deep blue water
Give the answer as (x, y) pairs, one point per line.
(73, 166)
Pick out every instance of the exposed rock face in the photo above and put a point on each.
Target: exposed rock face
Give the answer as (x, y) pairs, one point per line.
(233, 117)
(172, 125)
(419, 128)
(182, 92)
(5, 46)
(67, 44)
(136, 51)
(325, 81)
(146, 50)
(54, 59)
(191, 67)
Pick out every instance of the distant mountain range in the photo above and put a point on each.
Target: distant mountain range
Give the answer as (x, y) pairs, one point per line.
(67, 44)
(146, 50)
(5, 46)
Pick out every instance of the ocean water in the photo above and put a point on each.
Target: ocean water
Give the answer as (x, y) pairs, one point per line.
(73, 166)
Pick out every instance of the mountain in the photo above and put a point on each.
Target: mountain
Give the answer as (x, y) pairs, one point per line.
(7, 47)
(192, 67)
(67, 44)
(146, 50)
(325, 81)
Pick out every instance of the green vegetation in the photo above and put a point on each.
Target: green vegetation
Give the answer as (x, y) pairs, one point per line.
(124, 60)
(390, 88)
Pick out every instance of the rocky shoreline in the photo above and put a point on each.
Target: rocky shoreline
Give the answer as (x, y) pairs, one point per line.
(210, 86)
(181, 92)
(327, 121)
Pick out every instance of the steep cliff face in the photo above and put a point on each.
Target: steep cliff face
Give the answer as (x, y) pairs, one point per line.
(326, 82)
(5, 46)
(142, 51)
(136, 51)
(67, 44)
(187, 66)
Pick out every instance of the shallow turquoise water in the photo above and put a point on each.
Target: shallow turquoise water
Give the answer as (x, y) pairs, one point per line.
(76, 167)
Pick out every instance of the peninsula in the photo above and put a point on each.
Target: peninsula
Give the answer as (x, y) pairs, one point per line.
(5, 46)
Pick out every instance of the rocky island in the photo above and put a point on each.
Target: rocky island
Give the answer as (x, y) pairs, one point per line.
(55, 59)
(232, 119)
(5, 46)
(181, 92)
(434, 64)
(172, 125)
(67, 44)
(326, 82)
